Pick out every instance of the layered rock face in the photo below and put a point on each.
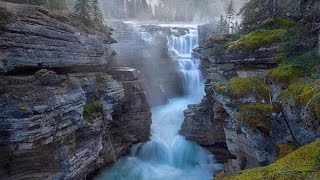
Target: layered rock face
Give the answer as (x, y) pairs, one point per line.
(135, 48)
(35, 38)
(244, 110)
(67, 125)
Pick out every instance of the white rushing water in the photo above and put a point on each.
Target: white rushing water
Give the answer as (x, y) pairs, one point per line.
(169, 156)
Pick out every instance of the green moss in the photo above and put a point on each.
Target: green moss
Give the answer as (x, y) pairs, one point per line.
(298, 165)
(258, 39)
(271, 23)
(301, 93)
(284, 73)
(241, 87)
(92, 108)
(255, 116)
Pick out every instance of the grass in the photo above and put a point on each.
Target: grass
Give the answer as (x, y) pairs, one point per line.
(242, 87)
(255, 116)
(298, 165)
(258, 39)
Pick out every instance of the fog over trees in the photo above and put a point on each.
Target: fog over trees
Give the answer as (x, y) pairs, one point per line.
(168, 10)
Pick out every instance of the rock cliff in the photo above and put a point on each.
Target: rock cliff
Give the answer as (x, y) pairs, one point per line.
(34, 38)
(74, 119)
(259, 99)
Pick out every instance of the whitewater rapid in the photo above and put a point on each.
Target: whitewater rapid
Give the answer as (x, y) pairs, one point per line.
(169, 156)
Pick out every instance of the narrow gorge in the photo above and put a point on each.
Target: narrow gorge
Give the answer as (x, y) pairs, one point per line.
(159, 89)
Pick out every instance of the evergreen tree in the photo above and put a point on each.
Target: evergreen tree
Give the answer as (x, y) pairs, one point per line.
(82, 9)
(96, 12)
(230, 16)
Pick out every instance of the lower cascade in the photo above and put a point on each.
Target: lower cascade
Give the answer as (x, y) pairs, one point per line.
(169, 156)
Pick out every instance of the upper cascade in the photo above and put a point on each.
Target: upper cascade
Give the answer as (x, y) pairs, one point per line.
(182, 43)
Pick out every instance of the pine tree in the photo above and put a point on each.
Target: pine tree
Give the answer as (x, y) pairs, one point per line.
(96, 12)
(221, 25)
(82, 10)
(230, 15)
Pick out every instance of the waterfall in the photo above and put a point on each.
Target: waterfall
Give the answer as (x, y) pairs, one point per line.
(169, 156)
(182, 45)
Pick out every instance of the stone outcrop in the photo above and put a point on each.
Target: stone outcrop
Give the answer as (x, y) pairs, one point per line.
(34, 38)
(204, 124)
(71, 121)
(46, 134)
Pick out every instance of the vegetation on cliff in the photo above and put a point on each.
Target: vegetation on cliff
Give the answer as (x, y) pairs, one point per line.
(258, 39)
(244, 87)
(255, 116)
(301, 164)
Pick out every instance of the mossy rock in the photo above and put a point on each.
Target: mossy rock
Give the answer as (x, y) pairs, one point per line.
(299, 165)
(284, 73)
(258, 39)
(255, 116)
(242, 87)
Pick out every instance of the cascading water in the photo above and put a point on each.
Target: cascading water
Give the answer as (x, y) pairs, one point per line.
(169, 156)
(182, 46)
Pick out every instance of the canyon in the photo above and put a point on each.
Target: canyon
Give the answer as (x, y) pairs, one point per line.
(152, 100)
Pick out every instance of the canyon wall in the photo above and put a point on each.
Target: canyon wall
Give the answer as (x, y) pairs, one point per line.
(64, 114)
(251, 114)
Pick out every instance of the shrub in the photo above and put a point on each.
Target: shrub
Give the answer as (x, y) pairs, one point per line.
(255, 116)
(92, 108)
(284, 73)
(241, 87)
(46, 77)
(258, 39)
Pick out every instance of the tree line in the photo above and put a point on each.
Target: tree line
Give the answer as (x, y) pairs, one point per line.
(88, 11)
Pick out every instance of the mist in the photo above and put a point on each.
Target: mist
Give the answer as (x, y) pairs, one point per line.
(198, 11)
